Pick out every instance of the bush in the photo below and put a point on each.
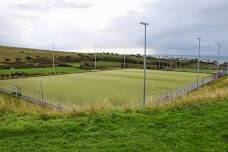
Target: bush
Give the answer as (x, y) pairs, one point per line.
(85, 67)
(127, 66)
(28, 58)
(7, 59)
(18, 59)
(64, 65)
(102, 67)
(90, 64)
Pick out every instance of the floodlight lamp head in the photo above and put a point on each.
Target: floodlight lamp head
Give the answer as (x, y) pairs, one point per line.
(143, 23)
(198, 38)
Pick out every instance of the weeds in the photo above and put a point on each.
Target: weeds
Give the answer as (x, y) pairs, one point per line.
(8, 104)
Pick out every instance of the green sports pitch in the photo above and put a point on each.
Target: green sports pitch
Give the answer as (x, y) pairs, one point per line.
(114, 86)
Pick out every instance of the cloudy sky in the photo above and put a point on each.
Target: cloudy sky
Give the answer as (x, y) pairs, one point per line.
(112, 25)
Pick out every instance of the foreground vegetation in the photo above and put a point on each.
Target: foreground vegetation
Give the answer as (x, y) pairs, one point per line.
(195, 122)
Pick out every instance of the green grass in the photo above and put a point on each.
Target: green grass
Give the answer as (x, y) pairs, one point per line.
(40, 71)
(118, 64)
(75, 64)
(116, 87)
(186, 124)
(194, 70)
(109, 64)
(199, 127)
(105, 63)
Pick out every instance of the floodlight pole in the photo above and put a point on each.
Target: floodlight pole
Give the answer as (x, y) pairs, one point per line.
(218, 57)
(95, 60)
(198, 65)
(53, 69)
(171, 63)
(124, 58)
(226, 66)
(180, 62)
(144, 82)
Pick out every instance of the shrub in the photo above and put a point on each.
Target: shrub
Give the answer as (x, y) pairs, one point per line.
(7, 59)
(28, 58)
(18, 59)
(127, 66)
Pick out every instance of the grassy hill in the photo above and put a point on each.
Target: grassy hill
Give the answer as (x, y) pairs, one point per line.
(34, 58)
(11, 53)
(195, 122)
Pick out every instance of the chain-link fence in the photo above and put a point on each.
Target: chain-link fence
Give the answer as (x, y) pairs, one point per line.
(31, 89)
(168, 95)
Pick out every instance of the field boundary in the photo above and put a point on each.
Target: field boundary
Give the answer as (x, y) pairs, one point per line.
(42, 103)
(35, 94)
(170, 95)
(157, 99)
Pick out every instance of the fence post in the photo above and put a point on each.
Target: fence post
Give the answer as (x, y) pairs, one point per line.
(27, 86)
(60, 104)
(0, 81)
(42, 96)
(34, 89)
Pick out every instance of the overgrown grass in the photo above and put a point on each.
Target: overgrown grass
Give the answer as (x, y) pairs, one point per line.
(199, 127)
(217, 89)
(10, 103)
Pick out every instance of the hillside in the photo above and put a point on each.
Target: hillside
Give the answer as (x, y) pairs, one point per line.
(15, 57)
(13, 52)
(195, 122)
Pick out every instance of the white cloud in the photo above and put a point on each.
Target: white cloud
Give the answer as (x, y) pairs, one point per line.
(81, 24)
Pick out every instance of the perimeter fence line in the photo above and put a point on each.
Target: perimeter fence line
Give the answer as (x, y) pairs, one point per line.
(31, 89)
(45, 104)
(168, 95)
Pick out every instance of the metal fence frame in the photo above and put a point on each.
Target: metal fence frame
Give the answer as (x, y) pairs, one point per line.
(170, 95)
